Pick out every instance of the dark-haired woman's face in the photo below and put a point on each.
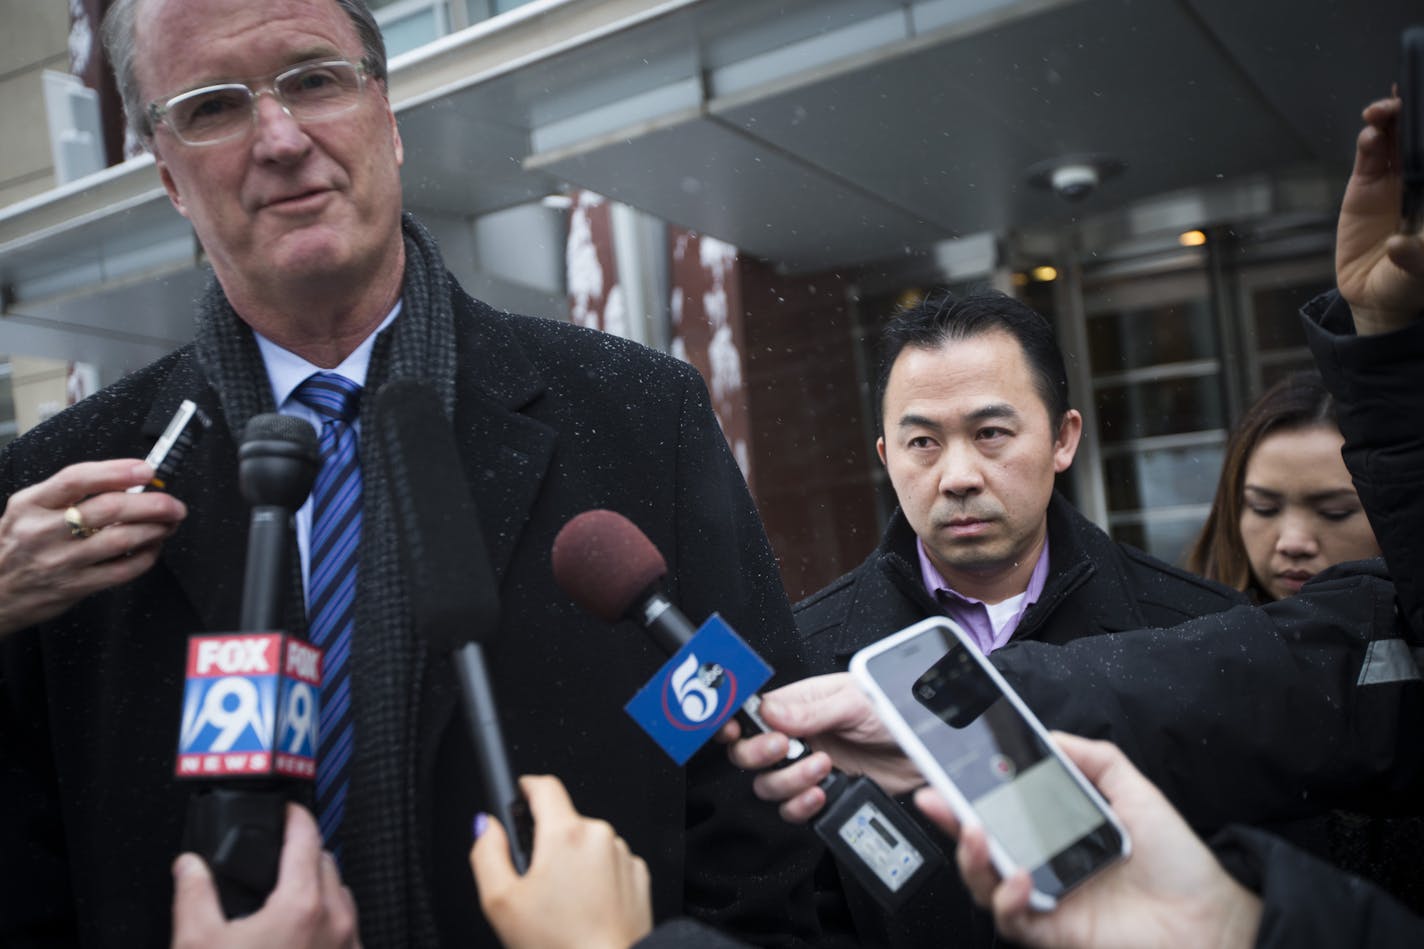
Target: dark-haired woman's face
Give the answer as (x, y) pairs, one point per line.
(1299, 510)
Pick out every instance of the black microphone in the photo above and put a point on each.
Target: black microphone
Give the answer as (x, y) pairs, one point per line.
(451, 585)
(611, 569)
(277, 465)
(250, 708)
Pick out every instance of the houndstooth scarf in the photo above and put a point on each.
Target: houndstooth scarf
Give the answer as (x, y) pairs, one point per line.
(380, 859)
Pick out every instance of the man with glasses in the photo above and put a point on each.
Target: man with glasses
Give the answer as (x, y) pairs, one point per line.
(273, 135)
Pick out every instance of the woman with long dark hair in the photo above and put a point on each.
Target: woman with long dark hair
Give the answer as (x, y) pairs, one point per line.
(1285, 506)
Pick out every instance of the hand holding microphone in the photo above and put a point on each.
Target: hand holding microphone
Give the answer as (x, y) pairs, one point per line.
(250, 698)
(610, 568)
(309, 909)
(849, 735)
(451, 585)
(583, 888)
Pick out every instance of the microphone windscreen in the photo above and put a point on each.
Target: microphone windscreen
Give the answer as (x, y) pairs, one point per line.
(278, 460)
(289, 430)
(452, 590)
(604, 563)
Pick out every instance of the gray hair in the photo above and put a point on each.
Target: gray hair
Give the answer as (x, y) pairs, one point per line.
(120, 42)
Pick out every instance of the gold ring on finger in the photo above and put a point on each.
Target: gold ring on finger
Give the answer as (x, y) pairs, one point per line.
(74, 519)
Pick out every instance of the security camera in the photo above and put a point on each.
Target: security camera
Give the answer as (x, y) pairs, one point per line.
(1074, 182)
(1074, 177)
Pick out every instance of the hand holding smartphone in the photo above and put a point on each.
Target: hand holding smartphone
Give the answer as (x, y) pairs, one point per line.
(977, 744)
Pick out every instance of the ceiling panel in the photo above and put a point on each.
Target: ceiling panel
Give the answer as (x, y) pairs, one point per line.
(705, 175)
(1317, 63)
(157, 317)
(950, 130)
(464, 163)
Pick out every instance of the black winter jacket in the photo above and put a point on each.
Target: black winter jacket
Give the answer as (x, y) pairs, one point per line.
(1376, 381)
(1094, 586)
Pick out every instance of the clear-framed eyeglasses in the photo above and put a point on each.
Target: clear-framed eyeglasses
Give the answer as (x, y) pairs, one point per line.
(311, 92)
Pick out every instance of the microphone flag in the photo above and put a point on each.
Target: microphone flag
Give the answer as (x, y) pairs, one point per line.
(698, 689)
(250, 704)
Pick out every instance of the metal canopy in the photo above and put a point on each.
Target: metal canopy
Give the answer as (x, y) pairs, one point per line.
(814, 133)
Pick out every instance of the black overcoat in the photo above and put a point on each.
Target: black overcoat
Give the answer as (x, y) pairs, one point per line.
(551, 420)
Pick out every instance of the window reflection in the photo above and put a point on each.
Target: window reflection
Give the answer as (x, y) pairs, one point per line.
(1162, 478)
(1160, 407)
(1152, 335)
(1280, 341)
(410, 24)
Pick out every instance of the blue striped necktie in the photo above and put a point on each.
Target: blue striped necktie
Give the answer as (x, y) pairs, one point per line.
(331, 585)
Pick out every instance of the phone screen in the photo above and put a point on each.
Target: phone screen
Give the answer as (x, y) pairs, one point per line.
(1024, 796)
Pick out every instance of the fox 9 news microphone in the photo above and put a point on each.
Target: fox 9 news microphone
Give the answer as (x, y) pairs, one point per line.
(250, 698)
(452, 588)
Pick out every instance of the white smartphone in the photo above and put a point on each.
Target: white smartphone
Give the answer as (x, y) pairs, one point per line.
(976, 743)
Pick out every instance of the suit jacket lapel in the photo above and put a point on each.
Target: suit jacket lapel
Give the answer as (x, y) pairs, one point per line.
(208, 551)
(506, 453)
